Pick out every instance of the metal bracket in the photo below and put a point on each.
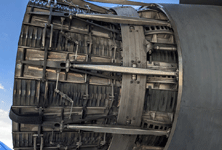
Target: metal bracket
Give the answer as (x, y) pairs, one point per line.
(79, 143)
(103, 142)
(35, 141)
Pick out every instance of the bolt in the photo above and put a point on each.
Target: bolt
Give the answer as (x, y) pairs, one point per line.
(134, 77)
(131, 28)
(128, 121)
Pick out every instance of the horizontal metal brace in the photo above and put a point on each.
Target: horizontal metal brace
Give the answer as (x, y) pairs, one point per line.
(58, 64)
(48, 13)
(161, 47)
(76, 110)
(110, 18)
(51, 64)
(96, 74)
(158, 32)
(123, 19)
(162, 80)
(90, 119)
(165, 48)
(65, 113)
(118, 130)
(107, 68)
(120, 69)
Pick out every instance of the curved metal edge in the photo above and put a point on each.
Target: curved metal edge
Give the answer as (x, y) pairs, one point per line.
(180, 81)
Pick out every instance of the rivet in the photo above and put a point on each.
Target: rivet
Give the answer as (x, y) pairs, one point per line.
(128, 122)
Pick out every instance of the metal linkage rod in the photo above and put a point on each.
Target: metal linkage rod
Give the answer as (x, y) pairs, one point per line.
(63, 95)
(51, 36)
(108, 68)
(165, 48)
(123, 19)
(118, 130)
(120, 69)
(111, 18)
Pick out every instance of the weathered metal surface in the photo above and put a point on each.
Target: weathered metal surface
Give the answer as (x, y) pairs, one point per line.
(84, 67)
(199, 36)
(201, 2)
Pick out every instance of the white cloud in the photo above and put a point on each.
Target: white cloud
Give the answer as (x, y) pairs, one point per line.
(3, 102)
(5, 128)
(1, 86)
(136, 7)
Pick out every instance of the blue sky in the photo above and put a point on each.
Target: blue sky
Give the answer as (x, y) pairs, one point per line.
(11, 14)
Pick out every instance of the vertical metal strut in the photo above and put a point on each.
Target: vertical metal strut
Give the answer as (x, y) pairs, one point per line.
(133, 89)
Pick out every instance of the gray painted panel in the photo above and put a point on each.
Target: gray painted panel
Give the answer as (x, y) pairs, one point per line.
(199, 30)
(204, 2)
